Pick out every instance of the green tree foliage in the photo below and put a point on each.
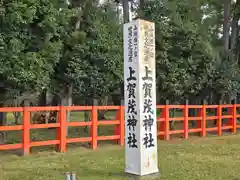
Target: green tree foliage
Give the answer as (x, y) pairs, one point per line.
(30, 42)
(57, 45)
(185, 57)
(92, 57)
(189, 64)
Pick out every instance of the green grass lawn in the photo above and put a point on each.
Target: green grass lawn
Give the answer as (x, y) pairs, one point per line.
(198, 158)
(211, 158)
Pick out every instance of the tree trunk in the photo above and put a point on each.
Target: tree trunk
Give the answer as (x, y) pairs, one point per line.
(197, 13)
(101, 113)
(86, 115)
(25, 103)
(193, 112)
(16, 117)
(44, 101)
(66, 100)
(2, 134)
(234, 31)
(116, 99)
(235, 27)
(141, 4)
(226, 24)
(3, 122)
(69, 102)
(42, 98)
(125, 11)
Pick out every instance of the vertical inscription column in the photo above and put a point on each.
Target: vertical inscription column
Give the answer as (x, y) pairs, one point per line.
(140, 98)
(147, 83)
(131, 91)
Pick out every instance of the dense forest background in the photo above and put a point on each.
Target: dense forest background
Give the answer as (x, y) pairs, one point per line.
(69, 52)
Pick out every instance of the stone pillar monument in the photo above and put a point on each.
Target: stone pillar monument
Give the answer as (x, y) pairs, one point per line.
(140, 99)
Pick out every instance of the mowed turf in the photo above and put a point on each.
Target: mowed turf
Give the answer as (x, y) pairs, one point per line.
(210, 158)
(197, 158)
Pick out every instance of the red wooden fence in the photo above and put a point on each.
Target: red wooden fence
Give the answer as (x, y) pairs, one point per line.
(163, 121)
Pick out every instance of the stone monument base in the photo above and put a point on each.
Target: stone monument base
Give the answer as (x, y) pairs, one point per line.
(153, 176)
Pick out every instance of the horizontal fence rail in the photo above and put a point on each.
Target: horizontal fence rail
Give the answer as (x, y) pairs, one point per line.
(204, 114)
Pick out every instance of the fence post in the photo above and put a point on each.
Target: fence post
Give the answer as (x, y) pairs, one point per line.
(186, 120)
(166, 127)
(219, 114)
(199, 114)
(162, 124)
(117, 127)
(63, 129)
(122, 124)
(26, 131)
(94, 118)
(229, 121)
(234, 114)
(204, 107)
(58, 130)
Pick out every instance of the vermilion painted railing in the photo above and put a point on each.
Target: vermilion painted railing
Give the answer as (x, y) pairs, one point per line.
(163, 121)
